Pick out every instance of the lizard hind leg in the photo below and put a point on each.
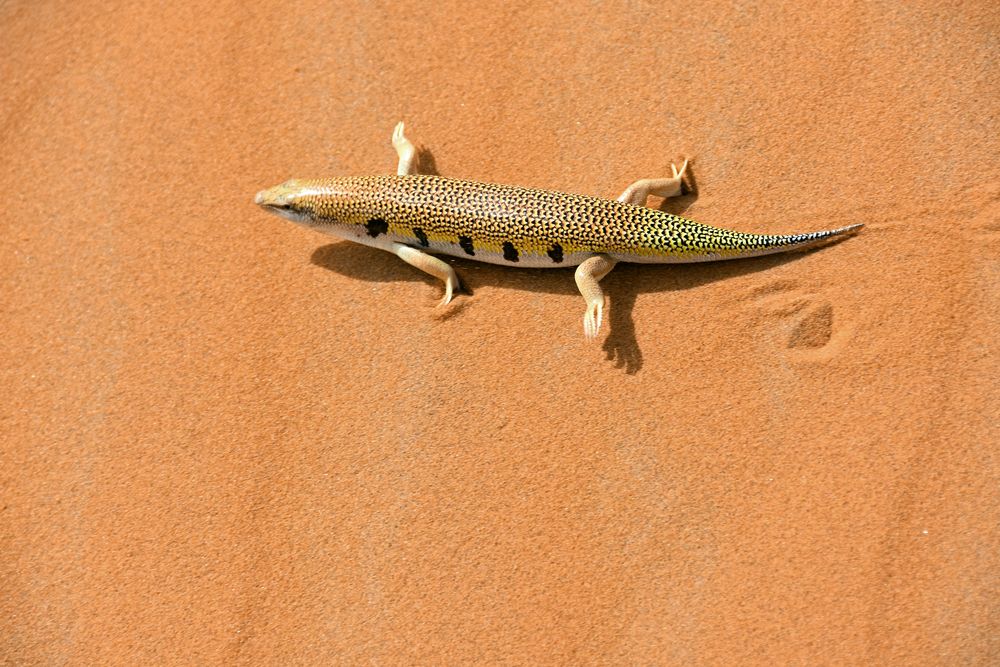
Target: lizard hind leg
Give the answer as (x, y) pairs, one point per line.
(638, 192)
(406, 151)
(588, 276)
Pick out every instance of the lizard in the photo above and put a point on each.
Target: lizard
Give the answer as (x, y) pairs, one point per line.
(418, 216)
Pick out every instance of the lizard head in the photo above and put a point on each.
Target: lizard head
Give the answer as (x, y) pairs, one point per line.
(290, 200)
(344, 207)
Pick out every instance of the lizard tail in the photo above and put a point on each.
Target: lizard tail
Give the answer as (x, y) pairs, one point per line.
(756, 245)
(696, 242)
(805, 240)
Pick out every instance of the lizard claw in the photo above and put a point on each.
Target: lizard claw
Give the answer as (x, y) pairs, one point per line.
(397, 134)
(592, 319)
(450, 287)
(679, 173)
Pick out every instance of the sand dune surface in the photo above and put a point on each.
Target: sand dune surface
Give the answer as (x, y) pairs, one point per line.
(230, 440)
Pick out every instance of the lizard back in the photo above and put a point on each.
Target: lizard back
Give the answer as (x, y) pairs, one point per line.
(507, 224)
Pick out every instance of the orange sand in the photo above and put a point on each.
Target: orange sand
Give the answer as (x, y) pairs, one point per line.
(228, 440)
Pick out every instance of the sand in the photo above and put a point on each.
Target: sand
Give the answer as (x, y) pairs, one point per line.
(230, 440)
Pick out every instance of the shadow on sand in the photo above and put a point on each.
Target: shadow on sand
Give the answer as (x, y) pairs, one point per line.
(622, 285)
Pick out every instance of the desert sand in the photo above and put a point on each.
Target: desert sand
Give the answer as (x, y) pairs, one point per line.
(230, 440)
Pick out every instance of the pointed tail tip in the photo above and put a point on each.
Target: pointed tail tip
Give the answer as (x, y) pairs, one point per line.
(820, 239)
(839, 231)
(848, 229)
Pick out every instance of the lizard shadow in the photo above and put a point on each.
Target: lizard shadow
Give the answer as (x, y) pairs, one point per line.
(425, 162)
(622, 286)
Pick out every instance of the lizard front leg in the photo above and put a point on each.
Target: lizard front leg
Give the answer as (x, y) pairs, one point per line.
(406, 151)
(638, 192)
(429, 264)
(588, 274)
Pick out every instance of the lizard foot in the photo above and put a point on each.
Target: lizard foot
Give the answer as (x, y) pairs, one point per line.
(592, 319)
(406, 151)
(451, 285)
(637, 193)
(679, 175)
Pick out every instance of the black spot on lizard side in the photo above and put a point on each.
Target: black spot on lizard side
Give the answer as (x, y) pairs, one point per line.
(466, 244)
(419, 233)
(556, 253)
(376, 226)
(509, 252)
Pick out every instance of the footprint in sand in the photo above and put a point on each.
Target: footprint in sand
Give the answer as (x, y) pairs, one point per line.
(803, 323)
(814, 328)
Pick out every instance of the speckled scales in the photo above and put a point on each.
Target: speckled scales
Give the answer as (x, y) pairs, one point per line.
(436, 213)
